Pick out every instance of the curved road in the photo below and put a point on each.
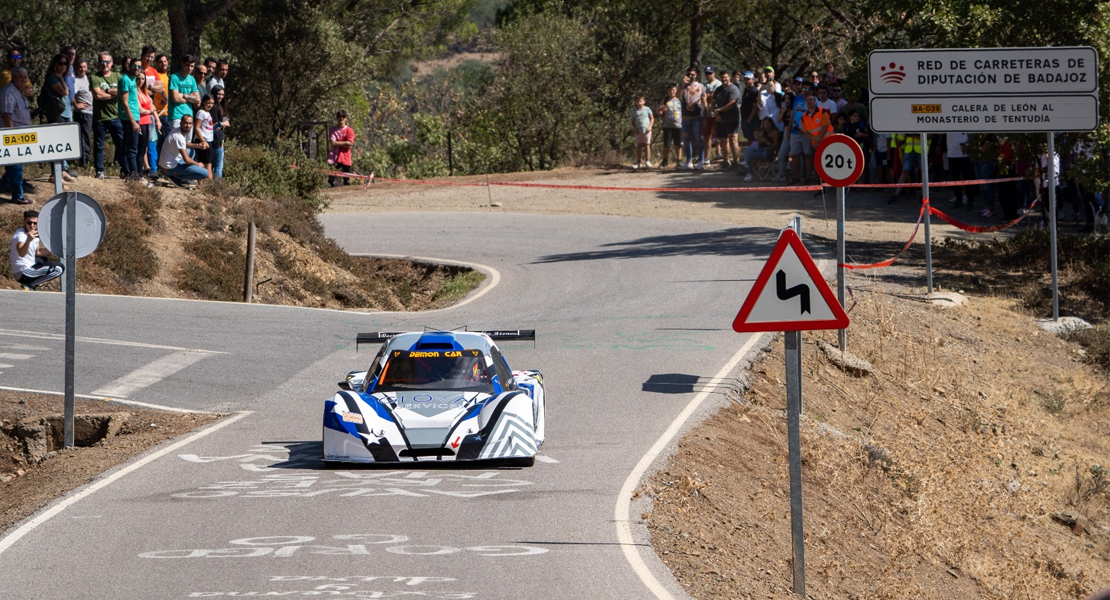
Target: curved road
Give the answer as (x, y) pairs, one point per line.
(633, 320)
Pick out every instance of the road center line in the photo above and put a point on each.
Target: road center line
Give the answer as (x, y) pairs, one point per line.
(624, 499)
(150, 374)
(54, 510)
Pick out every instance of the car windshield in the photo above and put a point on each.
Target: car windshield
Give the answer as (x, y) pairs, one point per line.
(436, 370)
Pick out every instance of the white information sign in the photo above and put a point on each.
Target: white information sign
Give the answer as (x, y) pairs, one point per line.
(983, 114)
(983, 71)
(41, 143)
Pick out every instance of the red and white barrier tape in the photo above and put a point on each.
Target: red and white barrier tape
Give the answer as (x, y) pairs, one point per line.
(890, 261)
(607, 188)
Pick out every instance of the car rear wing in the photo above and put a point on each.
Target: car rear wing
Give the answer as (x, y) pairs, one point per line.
(502, 335)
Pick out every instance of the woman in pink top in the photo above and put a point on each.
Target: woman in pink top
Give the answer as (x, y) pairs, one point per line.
(342, 139)
(148, 140)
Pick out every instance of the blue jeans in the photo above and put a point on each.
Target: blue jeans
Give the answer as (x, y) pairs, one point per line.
(985, 169)
(104, 128)
(130, 149)
(187, 172)
(13, 176)
(217, 156)
(691, 139)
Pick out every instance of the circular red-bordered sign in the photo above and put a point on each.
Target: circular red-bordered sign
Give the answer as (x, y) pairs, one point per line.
(839, 160)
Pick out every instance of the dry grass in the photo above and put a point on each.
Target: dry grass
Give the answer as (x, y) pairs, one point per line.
(935, 477)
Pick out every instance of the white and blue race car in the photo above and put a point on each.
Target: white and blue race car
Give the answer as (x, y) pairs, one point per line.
(437, 396)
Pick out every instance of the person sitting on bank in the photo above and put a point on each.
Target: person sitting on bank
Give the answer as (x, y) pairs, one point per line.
(30, 266)
(175, 162)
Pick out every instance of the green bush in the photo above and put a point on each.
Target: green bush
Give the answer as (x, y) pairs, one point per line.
(268, 172)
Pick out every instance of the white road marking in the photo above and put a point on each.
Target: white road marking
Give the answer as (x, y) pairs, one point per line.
(59, 336)
(24, 347)
(103, 399)
(14, 356)
(57, 508)
(494, 275)
(546, 459)
(150, 374)
(5, 366)
(624, 499)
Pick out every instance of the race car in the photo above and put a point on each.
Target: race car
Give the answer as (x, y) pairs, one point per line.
(437, 396)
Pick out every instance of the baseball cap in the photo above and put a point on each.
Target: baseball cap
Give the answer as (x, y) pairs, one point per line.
(709, 69)
(769, 69)
(749, 75)
(799, 80)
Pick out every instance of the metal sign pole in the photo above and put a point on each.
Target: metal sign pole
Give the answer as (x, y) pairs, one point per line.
(71, 308)
(841, 335)
(793, 341)
(925, 200)
(1052, 224)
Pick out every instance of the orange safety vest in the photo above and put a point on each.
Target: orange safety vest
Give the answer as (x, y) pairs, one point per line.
(813, 124)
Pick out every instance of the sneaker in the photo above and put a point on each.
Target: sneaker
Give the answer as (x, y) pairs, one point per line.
(663, 164)
(100, 174)
(636, 166)
(72, 174)
(955, 200)
(986, 213)
(178, 182)
(647, 165)
(964, 200)
(700, 166)
(778, 178)
(748, 177)
(687, 165)
(23, 200)
(26, 288)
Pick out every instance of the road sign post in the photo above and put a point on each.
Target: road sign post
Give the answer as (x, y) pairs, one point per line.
(985, 90)
(60, 234)
(799, 299)
(840, 162)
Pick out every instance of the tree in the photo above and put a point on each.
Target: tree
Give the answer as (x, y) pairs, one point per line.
(294, 61)
(187, 19)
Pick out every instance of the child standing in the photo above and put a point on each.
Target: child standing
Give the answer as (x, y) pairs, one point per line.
(342, 139)
(671, 111)
(642, 123)
(204, 131)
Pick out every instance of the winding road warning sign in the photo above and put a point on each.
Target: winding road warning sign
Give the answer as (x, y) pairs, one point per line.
(790, 294)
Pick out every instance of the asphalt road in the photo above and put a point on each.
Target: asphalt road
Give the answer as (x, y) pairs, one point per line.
(633, 317)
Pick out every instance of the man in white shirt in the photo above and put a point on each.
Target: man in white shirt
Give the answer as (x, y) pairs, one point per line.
(174, 160)
(218, 75)
(823, 100)
(29, 265)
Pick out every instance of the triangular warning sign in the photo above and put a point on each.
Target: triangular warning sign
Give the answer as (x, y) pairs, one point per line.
(790, 294)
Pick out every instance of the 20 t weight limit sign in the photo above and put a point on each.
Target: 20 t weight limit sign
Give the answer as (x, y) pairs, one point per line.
(839, 160)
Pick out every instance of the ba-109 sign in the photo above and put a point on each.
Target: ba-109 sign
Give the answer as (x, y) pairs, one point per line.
(42, 143)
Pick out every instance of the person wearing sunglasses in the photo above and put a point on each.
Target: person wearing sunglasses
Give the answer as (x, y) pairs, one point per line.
(15, 60)
(129, 114)
(104, 85)
(54, 98)
(28, 257)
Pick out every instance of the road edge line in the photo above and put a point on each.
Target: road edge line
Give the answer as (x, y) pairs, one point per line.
(624, 499)
(7, 541)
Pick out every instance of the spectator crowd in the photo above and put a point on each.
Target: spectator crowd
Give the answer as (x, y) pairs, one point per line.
(767, 129)
(161, 122)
